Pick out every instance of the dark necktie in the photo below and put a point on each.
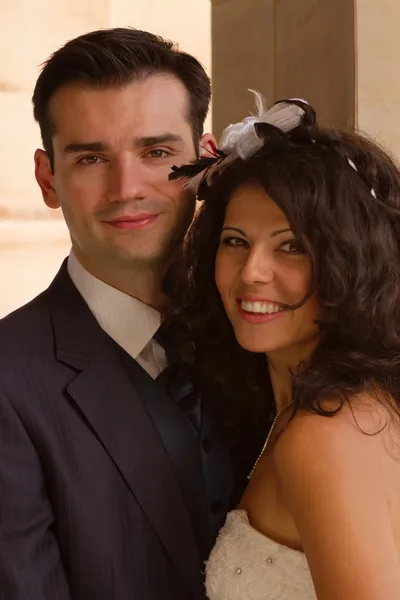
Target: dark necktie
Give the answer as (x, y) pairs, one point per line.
(177, 382)
(214, 459)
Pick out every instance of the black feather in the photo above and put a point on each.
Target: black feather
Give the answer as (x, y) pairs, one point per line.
(195, 167)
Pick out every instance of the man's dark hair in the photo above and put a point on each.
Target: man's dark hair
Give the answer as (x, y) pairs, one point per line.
(117, 57)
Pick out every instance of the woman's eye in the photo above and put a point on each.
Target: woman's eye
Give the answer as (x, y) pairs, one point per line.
(233, 242)
(292, 247)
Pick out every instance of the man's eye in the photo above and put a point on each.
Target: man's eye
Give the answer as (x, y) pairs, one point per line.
(157, 153)
(90, 160)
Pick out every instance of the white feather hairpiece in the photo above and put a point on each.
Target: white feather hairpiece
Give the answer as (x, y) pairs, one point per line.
(240, 140)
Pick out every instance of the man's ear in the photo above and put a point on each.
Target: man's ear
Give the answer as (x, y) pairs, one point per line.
(207, 146)
(44, 177)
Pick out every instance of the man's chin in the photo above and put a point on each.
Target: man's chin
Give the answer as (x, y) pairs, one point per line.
(143, 260)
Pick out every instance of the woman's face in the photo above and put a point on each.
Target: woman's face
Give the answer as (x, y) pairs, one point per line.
(259, 265)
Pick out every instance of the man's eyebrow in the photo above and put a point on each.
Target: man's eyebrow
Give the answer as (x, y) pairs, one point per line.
(85, 147)
(140, 142)
(153, 140)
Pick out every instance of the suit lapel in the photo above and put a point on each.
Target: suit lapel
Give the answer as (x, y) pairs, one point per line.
(104, 394)
(179, 440)
(116, 415)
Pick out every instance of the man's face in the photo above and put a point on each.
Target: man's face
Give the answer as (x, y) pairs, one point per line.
(113, 152)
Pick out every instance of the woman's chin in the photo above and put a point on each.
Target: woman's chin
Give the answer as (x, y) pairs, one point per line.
(259, 346)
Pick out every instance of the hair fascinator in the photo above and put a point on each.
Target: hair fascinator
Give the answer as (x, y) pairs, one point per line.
(243, 139)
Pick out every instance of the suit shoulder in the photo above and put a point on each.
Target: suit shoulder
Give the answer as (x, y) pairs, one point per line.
(25, 325)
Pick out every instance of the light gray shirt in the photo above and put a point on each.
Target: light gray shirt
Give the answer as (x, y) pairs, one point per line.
(128, 321)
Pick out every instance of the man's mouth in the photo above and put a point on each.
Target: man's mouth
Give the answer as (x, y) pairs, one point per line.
(138, 221)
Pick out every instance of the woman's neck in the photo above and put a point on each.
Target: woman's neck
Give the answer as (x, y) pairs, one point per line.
(282, 383)
(282, 366)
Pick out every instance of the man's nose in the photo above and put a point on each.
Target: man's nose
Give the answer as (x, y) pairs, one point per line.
(128, 180)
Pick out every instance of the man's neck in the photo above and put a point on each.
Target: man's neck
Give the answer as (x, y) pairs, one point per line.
(143, 284)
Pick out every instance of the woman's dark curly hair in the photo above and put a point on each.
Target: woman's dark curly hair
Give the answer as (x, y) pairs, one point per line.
(349, 222)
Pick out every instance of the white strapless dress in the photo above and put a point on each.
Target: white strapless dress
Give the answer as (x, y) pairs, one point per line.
(246, 565)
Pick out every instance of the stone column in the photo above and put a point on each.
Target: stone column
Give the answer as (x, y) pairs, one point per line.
(284, 48)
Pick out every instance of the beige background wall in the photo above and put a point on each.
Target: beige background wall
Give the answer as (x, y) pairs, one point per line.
(33, 239)
(378, 60)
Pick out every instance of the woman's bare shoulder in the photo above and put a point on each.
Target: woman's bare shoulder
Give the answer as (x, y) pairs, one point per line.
(364, 433)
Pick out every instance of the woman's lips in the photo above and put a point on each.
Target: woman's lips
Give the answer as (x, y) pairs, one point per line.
(257, 317)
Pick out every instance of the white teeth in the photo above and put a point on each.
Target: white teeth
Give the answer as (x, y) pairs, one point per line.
(259, 307)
